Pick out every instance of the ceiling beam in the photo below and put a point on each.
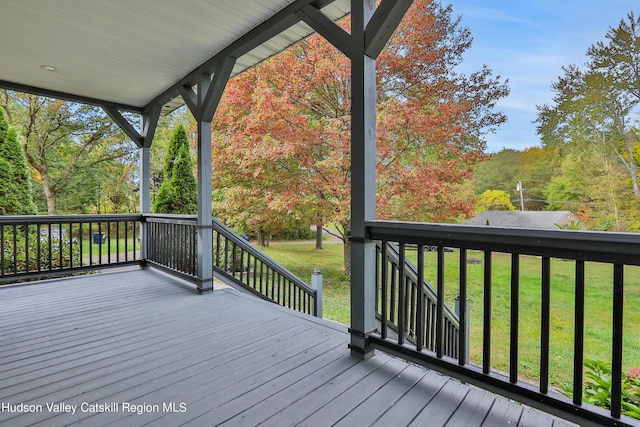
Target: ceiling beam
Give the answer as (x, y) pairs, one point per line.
(275, 25)
(67, 96)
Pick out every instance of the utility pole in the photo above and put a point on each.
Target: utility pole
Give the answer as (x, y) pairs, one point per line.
(519, 189)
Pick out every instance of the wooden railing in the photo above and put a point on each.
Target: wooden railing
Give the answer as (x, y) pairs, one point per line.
(47, 246)
(412, 308)
(615, 251)
(236, 260)
(172, 246)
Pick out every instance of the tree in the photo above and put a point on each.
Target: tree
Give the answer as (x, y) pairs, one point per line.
(15, 190)
(64, 143)
(593, 109)
(593, 188)
(178, 193)
(533, 167)
(494, 200)
(281, 137)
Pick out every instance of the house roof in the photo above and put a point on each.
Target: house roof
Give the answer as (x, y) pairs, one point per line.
(130, 54)
(524, 219)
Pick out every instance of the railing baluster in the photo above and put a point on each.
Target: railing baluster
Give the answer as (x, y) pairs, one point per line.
(26, 247)
(134, 240)
(402, 297)
(126, 241)
(226, 254)
(616, 351)
(39, 249)
(440, 306)
(108, 242)
(49, 247)
(100, 243)
(378, 282)
(217, 240)
(261, 276)
(2, 244)
(513, 327)
(118, 242)
(578, 346)
(255, 271)
(70, 246)
(194, 251)
(273, 284)
(486, 317)
(383, 296)
(60, 247)
(545, 324)
(463, 333)
(394, 295)
(80, 237)
(420, 311)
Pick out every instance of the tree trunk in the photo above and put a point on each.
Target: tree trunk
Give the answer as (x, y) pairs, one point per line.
(612, 193)
(318, 236)
(262, 239)
(633, 172)
(50, 194)
(347, 254)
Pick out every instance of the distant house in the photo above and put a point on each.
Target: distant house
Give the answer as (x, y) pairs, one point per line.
(550, 220)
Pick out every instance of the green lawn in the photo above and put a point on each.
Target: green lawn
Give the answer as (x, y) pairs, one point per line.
(303, 258)
(88, 247)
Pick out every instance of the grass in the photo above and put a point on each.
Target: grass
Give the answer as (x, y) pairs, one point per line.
(303, 258)
(88, 247)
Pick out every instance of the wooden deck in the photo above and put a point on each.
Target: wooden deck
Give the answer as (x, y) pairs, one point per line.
(138, 347)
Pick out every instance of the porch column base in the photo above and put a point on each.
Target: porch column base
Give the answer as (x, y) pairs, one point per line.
(205, 285)
(360, 347)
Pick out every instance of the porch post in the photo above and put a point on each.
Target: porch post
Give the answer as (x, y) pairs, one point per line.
(148, 124)
(363, 180)
(205, 217)
(145, 196)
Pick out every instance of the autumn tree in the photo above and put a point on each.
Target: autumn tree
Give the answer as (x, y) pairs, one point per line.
(494, 200)
(281, 138)
(63, 143)
(178, 193)
(15, 187)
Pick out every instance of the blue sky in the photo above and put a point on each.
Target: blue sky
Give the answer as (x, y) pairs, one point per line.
(528, 42)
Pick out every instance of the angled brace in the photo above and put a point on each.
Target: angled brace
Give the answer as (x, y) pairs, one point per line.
(149, 123)
(326, 28)
(383, 23)
(216, 88)
(124, 124)
(190, 98)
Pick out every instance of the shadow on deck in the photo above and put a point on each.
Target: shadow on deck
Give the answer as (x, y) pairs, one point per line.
(138, 346)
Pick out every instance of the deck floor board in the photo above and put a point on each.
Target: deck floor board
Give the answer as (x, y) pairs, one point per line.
(140, 337)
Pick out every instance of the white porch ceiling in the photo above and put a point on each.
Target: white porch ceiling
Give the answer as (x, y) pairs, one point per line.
(129, 52)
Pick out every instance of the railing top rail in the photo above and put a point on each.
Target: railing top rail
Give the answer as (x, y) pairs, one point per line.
(171, 218)
(612, 247)
(65, 219)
